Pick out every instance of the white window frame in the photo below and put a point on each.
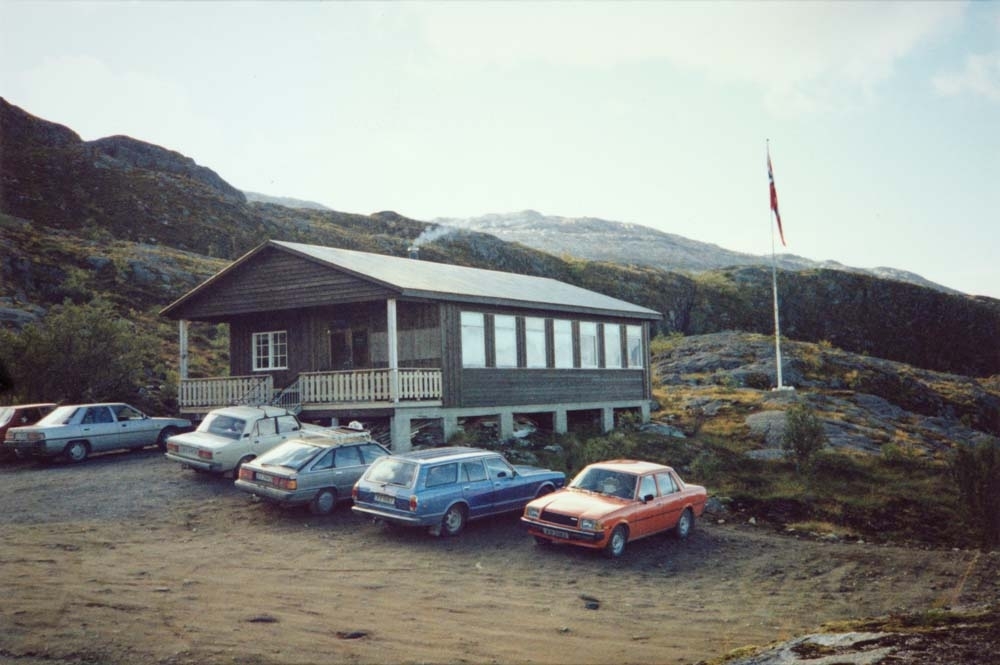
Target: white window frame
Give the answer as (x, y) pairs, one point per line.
(589, 353)
(562, 343)
(613, 346)
(536, 347)
(473, 339)
(633, 343)
(505, 340)
(275, 344)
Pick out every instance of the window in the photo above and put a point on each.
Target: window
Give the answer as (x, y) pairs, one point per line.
(287, 424)
(126, 412)
(370, 453)
(346, 457)
(647, 487)
(473, 340)
(666, 482)
(562, 342)
(535, 348)
(588, 344)
(266, 427)
(444, 474)
(633, 338)
(612, 345)
(473, 471)
(505, 340)
(270, 350)
(497, 466)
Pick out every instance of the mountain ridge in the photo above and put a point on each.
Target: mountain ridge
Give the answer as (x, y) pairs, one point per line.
(588, 238)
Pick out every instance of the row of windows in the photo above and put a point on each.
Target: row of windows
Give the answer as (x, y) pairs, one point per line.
(270, 349)
(590, 336)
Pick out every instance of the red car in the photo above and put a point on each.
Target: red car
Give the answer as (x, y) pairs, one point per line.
(20, 415)
(609, 504)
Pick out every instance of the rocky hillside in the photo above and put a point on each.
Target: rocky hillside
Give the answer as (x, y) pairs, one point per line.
(141, 224)
(603, 240)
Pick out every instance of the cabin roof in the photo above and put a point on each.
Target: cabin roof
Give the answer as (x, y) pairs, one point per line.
(439, 281)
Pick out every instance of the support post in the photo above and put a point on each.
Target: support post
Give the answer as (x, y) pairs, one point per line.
(390, 307)
(182, 330)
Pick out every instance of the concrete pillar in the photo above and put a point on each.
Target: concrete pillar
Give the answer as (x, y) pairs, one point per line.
(450, 426)
(607, 419)
(400, 432)
(506, 425)
(182, 330)
(559, 421)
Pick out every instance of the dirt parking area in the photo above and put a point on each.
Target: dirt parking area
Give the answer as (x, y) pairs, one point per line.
(128, 558)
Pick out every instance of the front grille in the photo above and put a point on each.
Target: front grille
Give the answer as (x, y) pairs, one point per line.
(556, 518)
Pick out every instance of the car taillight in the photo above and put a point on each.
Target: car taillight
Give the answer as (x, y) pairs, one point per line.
(36, 436)
(354, 493)
(206, 454)
(173, 447)
(245, 473)
(286, 483)
(413, 503)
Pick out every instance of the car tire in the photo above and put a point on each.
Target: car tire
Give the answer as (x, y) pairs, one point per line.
(685, 524)
(236, 469)
(165, 433)
(324, 502)
(76, 451)
(617, 542)
(453, 521)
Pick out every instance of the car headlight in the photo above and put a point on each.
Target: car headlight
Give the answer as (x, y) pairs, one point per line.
(532, 512)
(590, 525)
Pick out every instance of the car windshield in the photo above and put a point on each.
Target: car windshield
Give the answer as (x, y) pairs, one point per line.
(222, 425)
(605, 481)
(392, 471)
(60, 416)
(6, 413)
(291, 454)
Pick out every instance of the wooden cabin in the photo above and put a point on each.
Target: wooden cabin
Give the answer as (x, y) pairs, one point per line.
(345, 335)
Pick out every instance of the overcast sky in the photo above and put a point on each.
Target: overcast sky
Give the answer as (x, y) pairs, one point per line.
(883, 117)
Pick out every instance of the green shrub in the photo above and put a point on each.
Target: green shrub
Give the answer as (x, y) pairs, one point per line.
(803, 436)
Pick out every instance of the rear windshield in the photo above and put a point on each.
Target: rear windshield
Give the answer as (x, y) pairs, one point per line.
(291, 454)
(60, 416)
(6, 413)
(392, 471)
(221, 425)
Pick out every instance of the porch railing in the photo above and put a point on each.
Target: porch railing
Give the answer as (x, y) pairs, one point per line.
(372, 385)
(225, 391)
(355, 386)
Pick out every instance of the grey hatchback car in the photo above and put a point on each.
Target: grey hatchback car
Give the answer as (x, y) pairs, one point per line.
(315, 472)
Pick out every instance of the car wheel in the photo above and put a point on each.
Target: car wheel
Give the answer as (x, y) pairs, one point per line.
(165, 433)
(617, 542)
(236, 469)
(76, 451)
(685, 525)
(453, 521)
(324, 502)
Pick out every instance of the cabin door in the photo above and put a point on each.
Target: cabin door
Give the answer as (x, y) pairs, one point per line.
(349, 348)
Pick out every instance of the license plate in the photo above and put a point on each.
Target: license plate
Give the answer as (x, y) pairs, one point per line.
(386, 499)
(555, 533)
(188, 451)
(264, 478)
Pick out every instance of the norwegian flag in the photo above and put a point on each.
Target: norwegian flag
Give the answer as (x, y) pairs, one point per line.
(774, 196)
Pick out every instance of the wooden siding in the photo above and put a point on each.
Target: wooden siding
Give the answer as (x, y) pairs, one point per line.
(508, 387)
(276, 280)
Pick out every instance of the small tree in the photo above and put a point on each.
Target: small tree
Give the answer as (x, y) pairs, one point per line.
(803, 436)
(977, 474)
(77, 353)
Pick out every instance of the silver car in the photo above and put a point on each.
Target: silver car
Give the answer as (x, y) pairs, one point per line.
(314, 472)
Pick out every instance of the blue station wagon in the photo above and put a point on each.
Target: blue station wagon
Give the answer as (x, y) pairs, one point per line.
(443, 488)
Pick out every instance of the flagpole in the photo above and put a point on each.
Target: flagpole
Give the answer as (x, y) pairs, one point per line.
(774, 272)
(774, 291)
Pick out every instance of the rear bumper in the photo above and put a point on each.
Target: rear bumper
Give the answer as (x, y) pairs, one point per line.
(275, 495)
(395, 517)
(201, 465)
(33, 448)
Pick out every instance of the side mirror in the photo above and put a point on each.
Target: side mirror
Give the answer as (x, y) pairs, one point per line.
(648, 498)
(502, 474)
